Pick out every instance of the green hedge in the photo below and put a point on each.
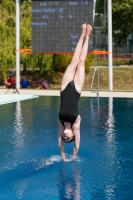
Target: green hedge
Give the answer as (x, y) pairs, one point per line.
(60, 62)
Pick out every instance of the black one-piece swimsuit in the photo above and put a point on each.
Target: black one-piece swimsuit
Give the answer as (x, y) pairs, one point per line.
(69, 104)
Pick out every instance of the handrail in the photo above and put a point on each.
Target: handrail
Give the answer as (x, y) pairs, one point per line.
(97, 92)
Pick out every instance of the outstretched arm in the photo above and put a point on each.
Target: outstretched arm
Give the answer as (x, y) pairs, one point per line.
(61, 147)
(76, 130)
(60, 141)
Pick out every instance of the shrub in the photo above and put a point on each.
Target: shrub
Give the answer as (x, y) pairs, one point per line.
(61, 61)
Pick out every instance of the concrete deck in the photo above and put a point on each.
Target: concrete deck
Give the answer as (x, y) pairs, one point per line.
(57, 93)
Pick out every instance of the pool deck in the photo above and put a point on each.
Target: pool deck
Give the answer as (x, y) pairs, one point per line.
(57, 93)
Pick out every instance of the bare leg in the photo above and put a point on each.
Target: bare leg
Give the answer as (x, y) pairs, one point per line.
(71, 69)
(80, 73)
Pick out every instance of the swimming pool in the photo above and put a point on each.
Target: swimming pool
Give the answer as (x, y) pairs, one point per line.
(30, 164)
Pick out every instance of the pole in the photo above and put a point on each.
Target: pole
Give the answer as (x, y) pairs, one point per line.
(17, 45)
(110, 62)
(94, 7)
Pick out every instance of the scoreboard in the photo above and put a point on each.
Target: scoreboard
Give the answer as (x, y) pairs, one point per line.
(56, 25)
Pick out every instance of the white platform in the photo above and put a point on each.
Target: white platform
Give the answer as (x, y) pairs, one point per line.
(10, 98)
(121, 94)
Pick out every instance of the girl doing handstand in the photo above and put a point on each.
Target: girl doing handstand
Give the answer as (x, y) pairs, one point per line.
(71, 88)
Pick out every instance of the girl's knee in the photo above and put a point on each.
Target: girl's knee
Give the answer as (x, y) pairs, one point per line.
(74, 61)
(81, 62)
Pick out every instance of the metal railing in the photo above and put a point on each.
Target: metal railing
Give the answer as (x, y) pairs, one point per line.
(97, 92)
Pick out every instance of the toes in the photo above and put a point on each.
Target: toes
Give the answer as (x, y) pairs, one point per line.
(89, 27)
(84, 25)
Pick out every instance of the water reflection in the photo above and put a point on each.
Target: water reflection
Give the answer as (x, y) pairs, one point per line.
(69, 181)
(110, 121)
(105, 150)
(19, 134)
(112, 151)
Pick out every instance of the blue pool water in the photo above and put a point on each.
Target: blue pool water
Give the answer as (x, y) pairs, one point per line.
(30, 164)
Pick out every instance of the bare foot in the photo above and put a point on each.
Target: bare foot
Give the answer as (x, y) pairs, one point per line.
(84, 29)
(88, 30)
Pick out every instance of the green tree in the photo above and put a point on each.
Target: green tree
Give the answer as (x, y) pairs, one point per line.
(7, 35)
(61, 61)
(37, 61)
(122, 15)
(8, 38)
(122, 20)
(25, 31)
